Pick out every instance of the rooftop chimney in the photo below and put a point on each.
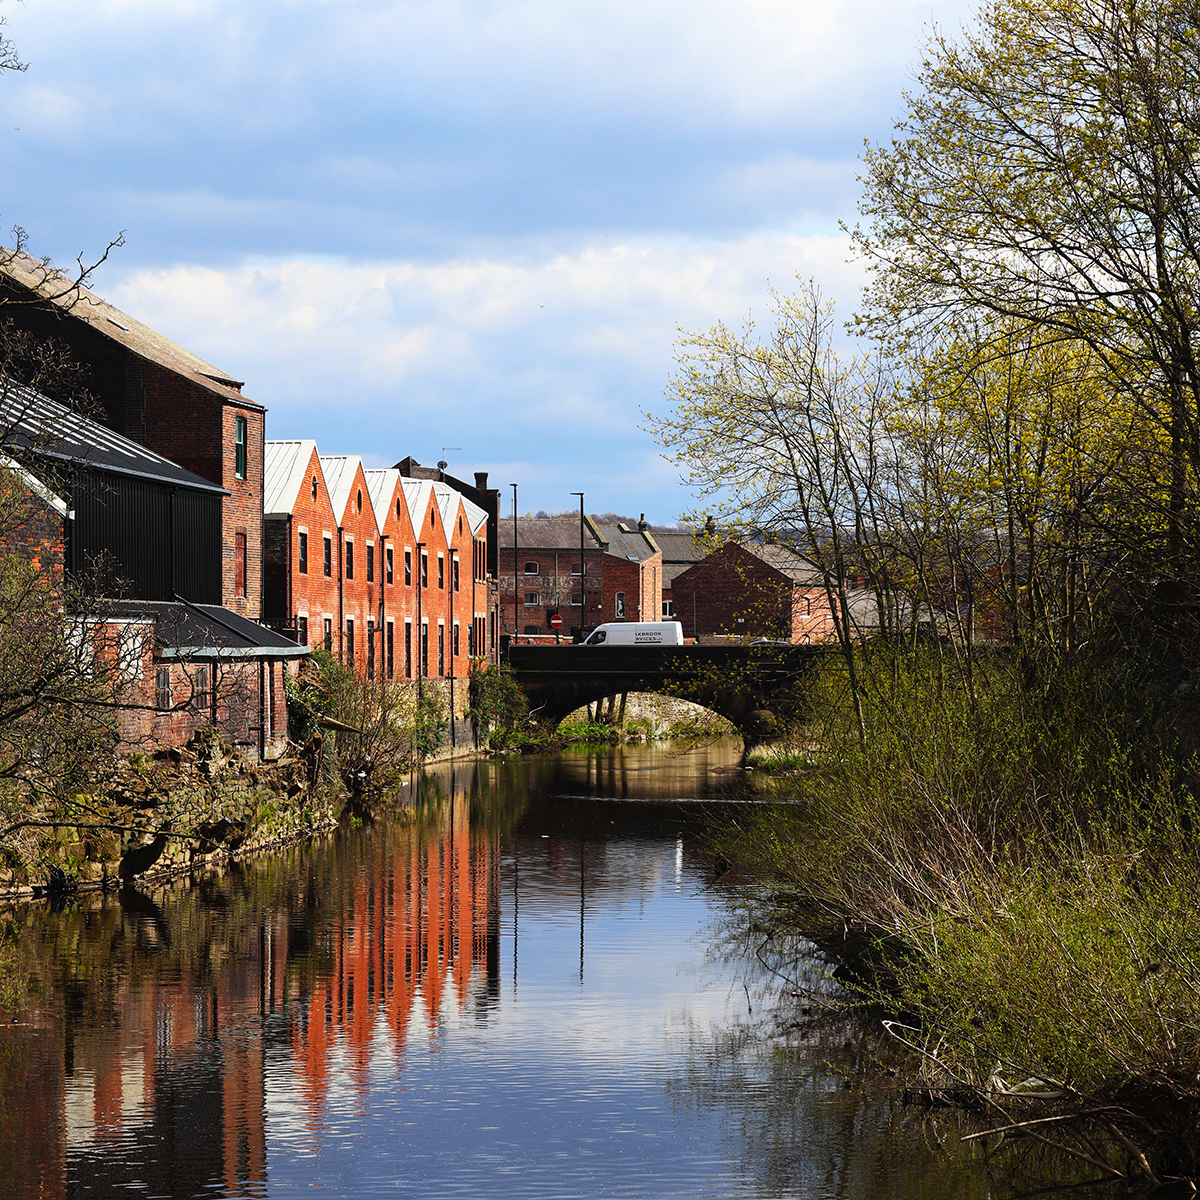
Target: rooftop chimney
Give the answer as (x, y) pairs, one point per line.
(710, 527)
(481, 480)
(642, 523)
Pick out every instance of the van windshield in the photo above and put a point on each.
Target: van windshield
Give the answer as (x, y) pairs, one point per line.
(597, 638)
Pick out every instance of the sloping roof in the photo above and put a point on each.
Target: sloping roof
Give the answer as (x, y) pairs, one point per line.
(629, 544)
(204, 630)
(78, 302)
(339, 471)
(548, 533)
(475, 515)
(33, 424)
(785, 561)
(381, 484)
(285, 471)
(447, 501)
(416, 496)
(679, 545)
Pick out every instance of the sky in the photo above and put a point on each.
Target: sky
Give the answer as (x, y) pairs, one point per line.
(480, 225)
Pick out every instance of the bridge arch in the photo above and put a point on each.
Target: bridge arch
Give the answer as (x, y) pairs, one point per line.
(738, 682)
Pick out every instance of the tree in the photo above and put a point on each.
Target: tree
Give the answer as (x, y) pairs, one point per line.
(1048, 173)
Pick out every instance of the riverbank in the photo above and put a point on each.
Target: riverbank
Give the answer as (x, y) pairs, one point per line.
(1014, 878)
(164, 814)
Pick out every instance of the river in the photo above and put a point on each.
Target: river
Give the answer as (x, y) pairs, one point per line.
(525, 982)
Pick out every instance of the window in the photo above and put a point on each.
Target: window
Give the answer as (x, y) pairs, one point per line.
(358, 506)
(441, 571)
(441, 649)
(200, 689)
(350, 641)
(425, 648)
(391, 633)
(407, 649)
(239, 447)
(370, 563)
(302, 553)
(599, 636)
(349, 559)
(431, 518)
(620, 607)
(575, 569)
(454, 640)
(454, 573)
(370, 649)
(239, 564)
(532, 599)
(577, 600)
(162, 689)
(460, 524)
(407, 567)
(302, 631)
(668, 609)
(390, 572)
(532, 568)
(314, 487)
(328, 551)
(397, 506)
(424, 569)
(531, 629)
(328, 638)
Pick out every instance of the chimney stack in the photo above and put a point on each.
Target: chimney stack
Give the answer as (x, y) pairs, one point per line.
(710, 527)
(481, 480)
(642, 523)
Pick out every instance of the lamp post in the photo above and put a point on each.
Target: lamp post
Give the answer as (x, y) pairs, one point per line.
(453, 581)
(420, 624)
(582, 588)
(515, 556)
(383, 538)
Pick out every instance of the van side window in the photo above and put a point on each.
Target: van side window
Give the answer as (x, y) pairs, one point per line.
(597, 637)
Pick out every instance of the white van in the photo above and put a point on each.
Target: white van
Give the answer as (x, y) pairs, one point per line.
(636, 633)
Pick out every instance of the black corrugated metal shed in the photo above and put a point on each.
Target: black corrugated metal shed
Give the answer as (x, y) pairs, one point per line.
(151, 526)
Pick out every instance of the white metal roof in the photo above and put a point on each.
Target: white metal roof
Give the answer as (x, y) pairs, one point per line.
(339, 471)
(416, 496)
(285, 471)
(476, 516)
(381, 484)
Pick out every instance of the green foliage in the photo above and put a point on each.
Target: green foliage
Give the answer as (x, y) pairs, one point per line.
(431, 722)
(496, 706)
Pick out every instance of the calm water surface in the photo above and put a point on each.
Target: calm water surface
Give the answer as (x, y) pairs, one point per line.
(528, 985)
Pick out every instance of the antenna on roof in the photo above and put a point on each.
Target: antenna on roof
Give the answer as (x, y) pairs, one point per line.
(442, 465)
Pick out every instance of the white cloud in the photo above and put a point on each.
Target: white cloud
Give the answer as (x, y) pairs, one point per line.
(519, 360)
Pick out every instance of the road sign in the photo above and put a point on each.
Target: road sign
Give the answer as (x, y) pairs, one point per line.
(555, 621)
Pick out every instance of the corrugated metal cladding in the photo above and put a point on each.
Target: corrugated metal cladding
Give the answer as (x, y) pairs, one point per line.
(122, 533)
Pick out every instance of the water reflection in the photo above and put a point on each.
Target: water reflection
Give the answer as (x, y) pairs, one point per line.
(507, 987)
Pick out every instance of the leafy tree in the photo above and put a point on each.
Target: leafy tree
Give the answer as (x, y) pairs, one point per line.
(1048, 173)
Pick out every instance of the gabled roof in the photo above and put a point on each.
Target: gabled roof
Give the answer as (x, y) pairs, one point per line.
(285, 471)
(786, 562)
(381, 484)
(680, 545)
(33, 424)
(339, 471)
(78, 302)
(417, 493)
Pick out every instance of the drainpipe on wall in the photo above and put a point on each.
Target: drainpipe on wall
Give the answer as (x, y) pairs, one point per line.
(291, 614)
(341, 614)
(383, 663)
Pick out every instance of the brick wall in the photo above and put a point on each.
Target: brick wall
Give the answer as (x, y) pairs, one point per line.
(732, 593)
(360, 595)
(544, 584)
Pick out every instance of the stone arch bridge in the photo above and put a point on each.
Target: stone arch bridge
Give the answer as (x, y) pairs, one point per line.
(740, 682)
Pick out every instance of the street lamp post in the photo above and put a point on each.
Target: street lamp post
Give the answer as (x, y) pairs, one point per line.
(453, 581)
(515, 557)
(582, 588)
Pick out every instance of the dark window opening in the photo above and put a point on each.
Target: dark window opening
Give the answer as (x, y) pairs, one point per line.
(454, 573)
(349, 642)
(532, 599)
(407, 649)
(370, 563)
(302, 631)
(302, 554)
(454, 640)
(391, 575)
(314, 487)
(370, 649)
(328, 639)
(239, 447)
(531, 629)
(425, 648)
(441, 572)
(391, 633)
(408, 568)
(162, 689)
(349, 560)
(424, 569)
(200, 689)
(441, 649)
(532, 568)
(239, 564)
(328, 551)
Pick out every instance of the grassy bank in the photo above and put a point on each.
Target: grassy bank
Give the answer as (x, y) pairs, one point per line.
(1013, 873)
